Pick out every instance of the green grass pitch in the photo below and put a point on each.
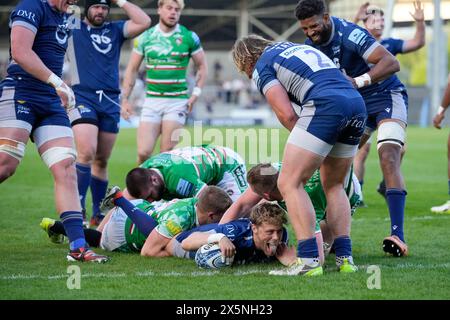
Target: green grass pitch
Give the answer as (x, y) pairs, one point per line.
(34, 268)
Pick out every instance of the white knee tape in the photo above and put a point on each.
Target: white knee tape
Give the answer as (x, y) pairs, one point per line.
(15, 149)
(57, 154)
(390, 132)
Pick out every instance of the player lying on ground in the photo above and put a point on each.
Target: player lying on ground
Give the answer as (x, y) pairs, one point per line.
(262, 179)
(141, 226)
(261, 238)
(184, 172)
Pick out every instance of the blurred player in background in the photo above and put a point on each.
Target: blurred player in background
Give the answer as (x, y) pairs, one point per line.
(371, 69)
(166, 49)
(373, 19)
(326, 118)
(94, 53)
(34, 100)
(437, 121)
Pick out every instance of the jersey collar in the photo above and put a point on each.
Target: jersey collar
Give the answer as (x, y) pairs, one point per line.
(168, 34)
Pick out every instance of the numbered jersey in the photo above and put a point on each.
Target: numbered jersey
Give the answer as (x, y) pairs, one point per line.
(52, 30)
(94, 54)
(305, 72)
(166, 57)
(349, 47)
(187, 170)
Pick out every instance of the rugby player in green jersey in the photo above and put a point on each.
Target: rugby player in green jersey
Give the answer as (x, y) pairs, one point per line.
(184, 172)
(141, 226)
(166, 49)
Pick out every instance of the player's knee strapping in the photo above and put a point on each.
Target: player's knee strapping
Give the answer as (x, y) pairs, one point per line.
(390, 132)
(57, 154)
(14, 148)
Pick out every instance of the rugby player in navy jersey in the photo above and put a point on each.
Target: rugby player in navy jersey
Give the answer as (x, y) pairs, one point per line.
(373, 19)
(371, 69)
(326, 117)
(94, 53)
(34, 101)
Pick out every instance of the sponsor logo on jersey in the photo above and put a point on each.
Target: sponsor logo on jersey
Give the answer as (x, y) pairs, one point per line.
(173, 227)
(357, 36)
(27, 14)
(184, 188)
(240, 177)
(23, 109)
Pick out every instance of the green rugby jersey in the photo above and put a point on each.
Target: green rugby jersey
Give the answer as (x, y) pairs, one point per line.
(166, 57)
(187, 170)
(315, 191)
(172, 217)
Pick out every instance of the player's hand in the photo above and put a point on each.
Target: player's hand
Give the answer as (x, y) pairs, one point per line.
(126, 109)
(286, 255)
(437, 120)
(191, 102)
(227, 248)
(66, 95)
(362, 12)
(418, 14)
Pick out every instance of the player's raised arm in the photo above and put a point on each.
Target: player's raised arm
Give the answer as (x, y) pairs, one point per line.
(139, 20)
(241, 208)
(419, 37)
(22, 39)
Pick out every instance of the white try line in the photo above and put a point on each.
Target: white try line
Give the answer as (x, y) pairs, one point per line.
(206, 273)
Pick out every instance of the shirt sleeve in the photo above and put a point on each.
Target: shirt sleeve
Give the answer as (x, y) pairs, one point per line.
(360, 41)
(397, 46)
(121, 29)
(138, 44)
(171, 226)
(196, 45)
(264, 78)
(28, 14)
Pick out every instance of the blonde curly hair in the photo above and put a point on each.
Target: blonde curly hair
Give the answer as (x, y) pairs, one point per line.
(246, 52)
(270, 213)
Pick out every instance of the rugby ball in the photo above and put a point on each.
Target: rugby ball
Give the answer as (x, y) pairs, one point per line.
(209, 257)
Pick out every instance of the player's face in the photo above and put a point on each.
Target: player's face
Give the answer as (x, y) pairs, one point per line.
(97, 14)
(375, 25)
(267, 237)
(169, 14)
(155, 189)
(63, 5)
(317, 28)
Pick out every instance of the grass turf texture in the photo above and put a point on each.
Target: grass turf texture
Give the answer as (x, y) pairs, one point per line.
(34, 268)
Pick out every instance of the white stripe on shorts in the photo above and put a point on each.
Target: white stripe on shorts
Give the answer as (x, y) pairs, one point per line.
(305, 140)
(46, 133)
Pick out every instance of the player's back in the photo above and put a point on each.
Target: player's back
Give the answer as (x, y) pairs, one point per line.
(305, 72)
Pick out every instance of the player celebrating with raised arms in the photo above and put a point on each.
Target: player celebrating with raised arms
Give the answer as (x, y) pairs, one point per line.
(371, 69)
(326, 117)
(94, 53)
(34, 100)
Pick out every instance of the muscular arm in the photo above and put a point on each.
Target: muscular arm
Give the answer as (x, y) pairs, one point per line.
(202, 68)
(139, 20)
(22, 40)
(385, 64)
(130, 74)
(241, 208)
(195, 241)
(279, 100)
(155, 245)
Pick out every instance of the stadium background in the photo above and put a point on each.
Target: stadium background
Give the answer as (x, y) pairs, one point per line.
(231, 99)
